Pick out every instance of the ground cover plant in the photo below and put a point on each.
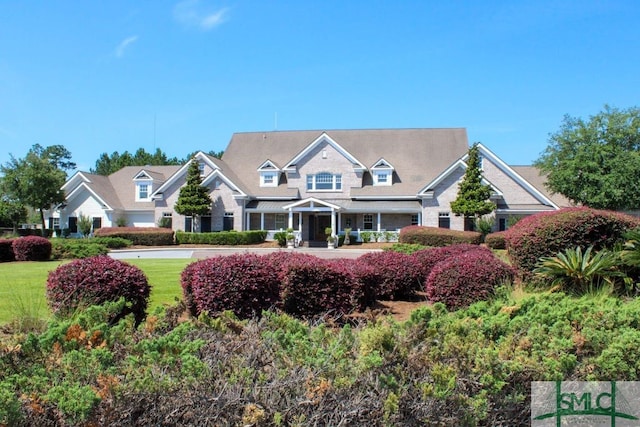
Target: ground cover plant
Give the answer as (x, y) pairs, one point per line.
(470, 367)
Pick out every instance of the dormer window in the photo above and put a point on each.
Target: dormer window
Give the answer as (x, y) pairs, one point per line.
(269, 174)
(382, 173)
(144, 187)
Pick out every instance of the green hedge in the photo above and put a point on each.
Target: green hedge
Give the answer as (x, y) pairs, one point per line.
(435, 236)
(142, 236)
(227, 238)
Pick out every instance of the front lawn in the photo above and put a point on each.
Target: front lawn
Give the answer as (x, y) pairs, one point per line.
(22, 285)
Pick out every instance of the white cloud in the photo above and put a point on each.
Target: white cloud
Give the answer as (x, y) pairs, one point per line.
(191, 13)
(124, 44)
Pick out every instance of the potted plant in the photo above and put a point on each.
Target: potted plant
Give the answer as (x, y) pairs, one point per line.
(347, 236)
(331, 240)
(291, 238)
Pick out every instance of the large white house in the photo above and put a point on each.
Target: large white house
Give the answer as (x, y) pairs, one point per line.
(375, 180)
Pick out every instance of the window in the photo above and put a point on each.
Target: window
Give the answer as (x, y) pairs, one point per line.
(227, 224)
(268, 179)
(97, 222)
(444, 220)
(415, 219)
(324, 181)
(143, 191)
(201, 168)
(382, 178)
(502, 224)
(280, 224)
(367, 220)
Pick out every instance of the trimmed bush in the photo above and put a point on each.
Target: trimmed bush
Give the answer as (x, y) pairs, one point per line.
(314, 286)
(428, 258)
(243, 283)
(226, 238)
(142, 236)
(32, 248)
(94, 281)
(435, 236)
(548, 233)
(467, 278)
(6, 250)
(76, 249)
(111, 242)
(496, 240)
(399, 276)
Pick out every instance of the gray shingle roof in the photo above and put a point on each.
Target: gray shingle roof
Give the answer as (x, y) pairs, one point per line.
(537, 179)
(418, 155)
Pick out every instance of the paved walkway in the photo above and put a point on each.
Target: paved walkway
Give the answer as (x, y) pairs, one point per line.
(217, 251)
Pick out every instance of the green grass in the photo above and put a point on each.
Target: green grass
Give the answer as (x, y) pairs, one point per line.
(22, 286)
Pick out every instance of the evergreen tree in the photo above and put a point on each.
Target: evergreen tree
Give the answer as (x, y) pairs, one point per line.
(193, 199)
(473, 196)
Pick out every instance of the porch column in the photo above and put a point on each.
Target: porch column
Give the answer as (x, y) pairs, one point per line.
(379, 219)
(261, 220)
(333, 221)
(290, 224)
(247, 216)
(300, 222)
(339, 221)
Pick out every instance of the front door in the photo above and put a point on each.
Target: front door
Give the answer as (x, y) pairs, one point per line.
(322, 222)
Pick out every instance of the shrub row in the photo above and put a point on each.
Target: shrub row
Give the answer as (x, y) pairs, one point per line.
(76, 248)
(6, 250)
(548, 233)
(143, 236)
(435, 236)
(305, 285)
(229, 238)
(94, 281)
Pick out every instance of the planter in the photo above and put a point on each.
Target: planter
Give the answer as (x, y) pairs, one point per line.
(291, 244)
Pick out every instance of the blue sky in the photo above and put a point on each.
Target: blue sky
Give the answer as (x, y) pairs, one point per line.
(105, 76)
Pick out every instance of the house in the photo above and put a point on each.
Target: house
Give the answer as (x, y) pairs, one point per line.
(365, 180)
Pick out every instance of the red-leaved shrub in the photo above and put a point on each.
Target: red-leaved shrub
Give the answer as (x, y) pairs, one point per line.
(32, 248)
(6, 250)
(243, 283)
(314, 286)
(398, 275)
(546, 234)
(94, 281)
(426, 259)
(435, 236)
(467, 278)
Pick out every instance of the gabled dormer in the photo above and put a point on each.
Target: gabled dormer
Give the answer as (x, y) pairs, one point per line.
(382, 173)
(143, 186)
(269, 174)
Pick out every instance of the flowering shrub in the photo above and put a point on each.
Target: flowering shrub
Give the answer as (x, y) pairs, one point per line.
(398, 276)
(315, 286)
(32, 248)
(96, 280)
(435, 236)
(496, 240)
(428, 258)
(548, 233)
(243, 283)
(6, 250)
(467, 278)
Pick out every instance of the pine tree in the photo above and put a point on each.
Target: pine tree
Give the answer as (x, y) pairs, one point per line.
(193, 199)
(473, 196)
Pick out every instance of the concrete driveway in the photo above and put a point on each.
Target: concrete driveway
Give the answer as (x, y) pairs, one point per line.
(198, 253)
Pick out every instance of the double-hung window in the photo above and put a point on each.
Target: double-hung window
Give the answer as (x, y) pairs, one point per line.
(143, 191)
(324, 181)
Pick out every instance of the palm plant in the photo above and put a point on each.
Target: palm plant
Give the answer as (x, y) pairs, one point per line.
(630, 253)
(578, 271)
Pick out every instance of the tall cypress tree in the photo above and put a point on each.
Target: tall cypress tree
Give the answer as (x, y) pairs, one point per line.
(193, 199)
(473, 196)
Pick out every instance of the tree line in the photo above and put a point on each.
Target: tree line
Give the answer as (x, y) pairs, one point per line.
(593, 162)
